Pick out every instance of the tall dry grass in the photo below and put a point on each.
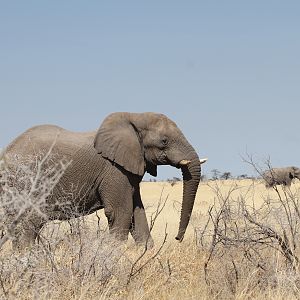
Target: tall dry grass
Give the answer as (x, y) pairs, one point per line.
(245, 246)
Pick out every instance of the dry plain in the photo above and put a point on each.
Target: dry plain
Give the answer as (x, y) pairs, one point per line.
(168, 198)
(84, 264)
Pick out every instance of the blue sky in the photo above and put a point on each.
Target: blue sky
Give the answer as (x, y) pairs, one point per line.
(227, 72)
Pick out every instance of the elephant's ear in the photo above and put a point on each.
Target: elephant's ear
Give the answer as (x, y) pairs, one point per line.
(295, 171)
(118, 140)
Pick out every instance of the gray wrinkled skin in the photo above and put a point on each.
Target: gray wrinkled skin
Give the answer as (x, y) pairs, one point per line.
(281, 176)
(104, 170)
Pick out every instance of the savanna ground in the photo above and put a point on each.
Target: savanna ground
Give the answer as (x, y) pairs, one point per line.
(242, 243)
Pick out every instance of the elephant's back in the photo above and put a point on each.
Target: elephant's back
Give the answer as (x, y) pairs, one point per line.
(38, 140)
(46, 140)
(278, 175)
(51, 151)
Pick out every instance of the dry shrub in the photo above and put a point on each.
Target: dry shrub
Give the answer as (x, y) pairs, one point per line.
(61, 268)
(87, 264)
(25, 185)
(252, 242)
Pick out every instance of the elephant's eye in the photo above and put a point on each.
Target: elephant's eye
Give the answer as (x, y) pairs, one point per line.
(164, 141)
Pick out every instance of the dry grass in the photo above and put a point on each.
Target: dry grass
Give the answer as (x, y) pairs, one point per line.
(79, 260)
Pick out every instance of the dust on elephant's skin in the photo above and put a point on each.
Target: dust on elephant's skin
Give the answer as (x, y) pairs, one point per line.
(105, 171)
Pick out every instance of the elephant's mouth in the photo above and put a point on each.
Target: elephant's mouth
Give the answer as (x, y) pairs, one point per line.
(183, 163)
(186, 162)
(179, 164)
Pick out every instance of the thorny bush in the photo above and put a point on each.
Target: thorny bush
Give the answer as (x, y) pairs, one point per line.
(252, 239)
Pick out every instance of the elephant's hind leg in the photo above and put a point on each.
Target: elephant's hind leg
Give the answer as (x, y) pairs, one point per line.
(25, 235)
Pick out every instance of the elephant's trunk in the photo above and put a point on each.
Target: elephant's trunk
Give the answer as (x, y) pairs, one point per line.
(191, 178)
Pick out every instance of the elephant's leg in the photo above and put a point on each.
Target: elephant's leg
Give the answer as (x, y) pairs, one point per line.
(119, 217)
(139, 226)
(116, 193)
(25, 235)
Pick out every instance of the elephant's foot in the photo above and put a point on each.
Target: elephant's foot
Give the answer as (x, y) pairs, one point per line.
(142, 240)
(148, 243)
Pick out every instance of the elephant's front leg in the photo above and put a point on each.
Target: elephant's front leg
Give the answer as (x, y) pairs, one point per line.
(139, 227)
(117, 197)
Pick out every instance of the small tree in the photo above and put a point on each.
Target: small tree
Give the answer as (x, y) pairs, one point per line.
(215, 174)
(174, 180)
(226, 175)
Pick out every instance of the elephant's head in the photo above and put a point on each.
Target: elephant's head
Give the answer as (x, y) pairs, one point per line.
(140, 141)
(294, 172)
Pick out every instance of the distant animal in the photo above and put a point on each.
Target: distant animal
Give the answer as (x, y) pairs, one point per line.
(106, 169)
(281, 176)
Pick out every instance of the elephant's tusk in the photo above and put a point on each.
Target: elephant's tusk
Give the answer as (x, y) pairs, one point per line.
(203, 160)
(184, 162)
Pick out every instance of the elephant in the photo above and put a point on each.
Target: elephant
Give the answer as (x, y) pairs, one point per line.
(105, 170)
(282, 176)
